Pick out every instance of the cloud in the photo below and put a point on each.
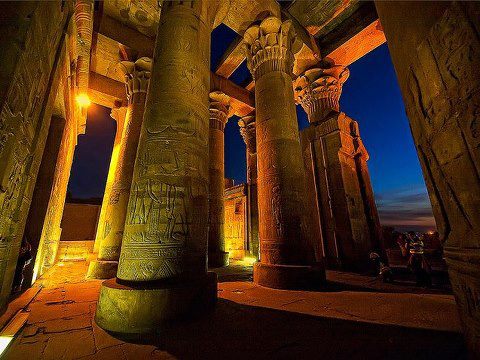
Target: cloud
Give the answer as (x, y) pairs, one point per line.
(406, 209)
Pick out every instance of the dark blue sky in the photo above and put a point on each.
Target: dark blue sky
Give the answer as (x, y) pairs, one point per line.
(371, 96)
(92, 155)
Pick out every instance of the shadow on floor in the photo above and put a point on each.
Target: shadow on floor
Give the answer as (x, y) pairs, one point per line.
(235, 331)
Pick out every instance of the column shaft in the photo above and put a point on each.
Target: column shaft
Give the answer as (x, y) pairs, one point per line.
(137, 77)
(217, 257)
(119, 115)
(163, 261)
(286, 253)
(247, 129)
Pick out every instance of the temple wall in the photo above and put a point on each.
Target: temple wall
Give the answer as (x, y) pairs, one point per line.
(30, 55)
(435, 48)
(79, 222)
(235, 222)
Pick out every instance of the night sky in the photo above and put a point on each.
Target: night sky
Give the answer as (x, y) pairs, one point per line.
(371, 96)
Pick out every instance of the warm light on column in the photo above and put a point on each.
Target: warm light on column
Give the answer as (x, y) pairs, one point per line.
(83, 100)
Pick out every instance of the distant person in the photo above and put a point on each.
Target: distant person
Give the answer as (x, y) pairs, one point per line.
(417, 262)
(24, 259)
(381, 268)
(402, 242)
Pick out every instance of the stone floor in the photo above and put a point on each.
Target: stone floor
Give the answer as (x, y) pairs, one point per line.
(356, 317)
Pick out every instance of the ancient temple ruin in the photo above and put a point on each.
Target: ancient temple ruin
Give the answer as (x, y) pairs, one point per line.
(167, 218)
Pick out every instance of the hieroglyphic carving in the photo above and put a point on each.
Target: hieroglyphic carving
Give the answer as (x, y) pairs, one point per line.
(219, 108)
(168, 207)
(281, 179)
(24, 121)
(442, 103)
(137, 80)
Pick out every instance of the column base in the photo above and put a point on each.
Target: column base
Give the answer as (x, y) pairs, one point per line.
(217, 260)
(464, 273)
(288, 277)
(143, 309)
(102, 269)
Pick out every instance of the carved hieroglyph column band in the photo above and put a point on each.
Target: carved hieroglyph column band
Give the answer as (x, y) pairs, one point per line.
(270, 49)
(137, 77)
(318, 90)
(84, 24)
(247, 130)
(162, 270)
(219, 107)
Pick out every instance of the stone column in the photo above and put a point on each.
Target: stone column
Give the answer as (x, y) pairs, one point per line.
(219, 106)
(337, 159)
(137, 77)
(162, 272)
(119, 115)
(286, 252)
(247, 130)
(435, 49)
(83, 15)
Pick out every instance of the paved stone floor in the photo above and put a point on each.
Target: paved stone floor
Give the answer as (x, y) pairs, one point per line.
(355, 317)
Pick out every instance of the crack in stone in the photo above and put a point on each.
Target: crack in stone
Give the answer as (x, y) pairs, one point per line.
(62, 302)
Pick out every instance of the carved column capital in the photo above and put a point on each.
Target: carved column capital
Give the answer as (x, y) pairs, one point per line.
(270, 46)
(318, 90)
(248, 132)
(219, 109)
(137, 76)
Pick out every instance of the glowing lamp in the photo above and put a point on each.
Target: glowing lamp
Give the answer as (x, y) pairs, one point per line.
(83, 100)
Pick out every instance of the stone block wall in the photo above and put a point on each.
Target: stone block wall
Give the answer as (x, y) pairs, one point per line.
(79, 222)
(235, 222)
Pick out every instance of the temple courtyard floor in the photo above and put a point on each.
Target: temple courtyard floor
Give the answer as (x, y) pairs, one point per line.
(355, 317)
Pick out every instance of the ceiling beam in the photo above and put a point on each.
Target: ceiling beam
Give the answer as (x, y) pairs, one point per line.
(142, 44)
(358, 45)
(106, 91)
(242, 100)
(232, 58)
(111, 93)
(349, 27)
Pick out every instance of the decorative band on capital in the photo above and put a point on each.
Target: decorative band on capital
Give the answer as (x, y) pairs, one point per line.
(270, 46)
(137, 75)
(219, 109)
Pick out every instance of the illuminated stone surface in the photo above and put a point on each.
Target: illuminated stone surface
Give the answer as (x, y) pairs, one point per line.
(440, 87)
(51, 52)
(61, 323)
(286, 251)
(219, 108)
(166, 228)
(336, 164)
(118, 114)
(236, 222)
(247, 129)
(31, 75)
(137, 77)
